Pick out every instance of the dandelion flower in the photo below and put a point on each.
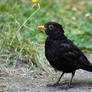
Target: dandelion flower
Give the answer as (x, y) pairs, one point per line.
(34, 1)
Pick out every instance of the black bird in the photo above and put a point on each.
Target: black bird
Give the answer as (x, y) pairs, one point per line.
(61, 53)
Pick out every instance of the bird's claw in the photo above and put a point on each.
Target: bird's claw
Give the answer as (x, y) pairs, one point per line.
(53, 85)
(67, 87)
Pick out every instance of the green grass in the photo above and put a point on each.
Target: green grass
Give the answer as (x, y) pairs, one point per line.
(19, 37)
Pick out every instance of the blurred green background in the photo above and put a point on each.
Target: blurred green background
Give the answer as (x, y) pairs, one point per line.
(21, 40)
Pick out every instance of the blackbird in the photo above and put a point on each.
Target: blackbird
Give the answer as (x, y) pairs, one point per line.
(62, 53)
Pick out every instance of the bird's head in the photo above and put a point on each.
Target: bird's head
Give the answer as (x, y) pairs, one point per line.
(52, 29)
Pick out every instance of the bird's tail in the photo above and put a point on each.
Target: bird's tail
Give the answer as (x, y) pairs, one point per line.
(88, 67)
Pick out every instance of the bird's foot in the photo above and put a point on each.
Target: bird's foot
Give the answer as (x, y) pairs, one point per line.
(67, 87)
(53, 85)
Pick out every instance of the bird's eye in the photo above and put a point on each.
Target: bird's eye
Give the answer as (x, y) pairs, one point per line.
(51, 27)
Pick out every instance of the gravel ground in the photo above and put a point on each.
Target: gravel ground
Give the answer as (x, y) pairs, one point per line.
(18, 80)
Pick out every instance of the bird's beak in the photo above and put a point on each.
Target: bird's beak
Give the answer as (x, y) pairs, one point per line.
(42, 27)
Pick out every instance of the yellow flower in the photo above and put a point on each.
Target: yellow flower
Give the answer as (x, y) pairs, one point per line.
(34, 1)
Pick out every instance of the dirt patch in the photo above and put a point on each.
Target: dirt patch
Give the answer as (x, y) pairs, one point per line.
(19, 80)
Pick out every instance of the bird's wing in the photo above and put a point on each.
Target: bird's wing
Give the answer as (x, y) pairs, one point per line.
(73, 55)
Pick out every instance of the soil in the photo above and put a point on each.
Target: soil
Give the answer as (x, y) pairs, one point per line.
(19, 80)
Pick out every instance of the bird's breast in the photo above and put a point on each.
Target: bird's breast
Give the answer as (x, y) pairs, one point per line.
(51, 48)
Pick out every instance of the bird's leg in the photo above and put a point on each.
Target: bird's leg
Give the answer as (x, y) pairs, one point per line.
(59, 78)
(73, 73)
(57, 83)
(69, 85)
